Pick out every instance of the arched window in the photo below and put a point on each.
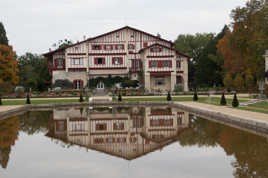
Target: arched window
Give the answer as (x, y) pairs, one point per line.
(78, 84)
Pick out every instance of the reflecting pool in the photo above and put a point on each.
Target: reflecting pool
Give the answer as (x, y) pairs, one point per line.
(119, 142)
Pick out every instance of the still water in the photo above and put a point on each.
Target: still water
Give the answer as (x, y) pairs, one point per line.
(119, 142)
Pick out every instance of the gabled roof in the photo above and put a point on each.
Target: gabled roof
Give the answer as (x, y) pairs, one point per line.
(163, 46)
(108, 33)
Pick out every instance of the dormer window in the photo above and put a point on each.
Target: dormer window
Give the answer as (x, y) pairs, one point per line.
(96, 47)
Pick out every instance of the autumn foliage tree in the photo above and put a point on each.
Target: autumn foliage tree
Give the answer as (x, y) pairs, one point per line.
(8, 69)
(244, 44)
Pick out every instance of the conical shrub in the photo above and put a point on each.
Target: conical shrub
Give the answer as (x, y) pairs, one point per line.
(235, 102)
(195, 98)
(1, 100)
(119, 97)
(28, 101)
(81, 99)
(223, 100)
(169, 97)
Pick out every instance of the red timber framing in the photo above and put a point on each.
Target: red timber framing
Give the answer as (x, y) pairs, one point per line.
(76, 54)
(160, 73)
(108, 68)
(167, 56)
(107, 54)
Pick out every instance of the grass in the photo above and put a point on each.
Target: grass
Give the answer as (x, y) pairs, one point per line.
(259, 107)
(22, 102)
(159, 99)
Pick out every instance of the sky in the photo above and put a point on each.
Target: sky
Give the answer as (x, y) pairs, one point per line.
(35, 25)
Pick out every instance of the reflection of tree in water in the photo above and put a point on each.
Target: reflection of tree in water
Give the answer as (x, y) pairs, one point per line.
(9, 129)
(35, 121)
(250, 151)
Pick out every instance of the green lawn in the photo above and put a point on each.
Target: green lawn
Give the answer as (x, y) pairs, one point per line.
(259, 107)
(22, 102)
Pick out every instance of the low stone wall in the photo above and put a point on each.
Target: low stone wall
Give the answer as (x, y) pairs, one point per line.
(14, 112)
(224, 118)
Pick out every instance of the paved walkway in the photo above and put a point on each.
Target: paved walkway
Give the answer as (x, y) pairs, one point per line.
(230, 111)
(6, 108)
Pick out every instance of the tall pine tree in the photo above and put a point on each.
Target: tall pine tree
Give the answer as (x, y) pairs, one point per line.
(3, 36)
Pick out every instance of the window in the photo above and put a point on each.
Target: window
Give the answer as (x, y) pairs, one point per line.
(131, 46)
(108, 47)
(100, 127)
(59, 63)
(159, 82)
(78, 84)
(118, 126)
(178, 64)
(154, 63)
(119, 46)
(99, 61)
(76, 61)
(156, 49)
(166, 63)
(117, 60)
(96, 47)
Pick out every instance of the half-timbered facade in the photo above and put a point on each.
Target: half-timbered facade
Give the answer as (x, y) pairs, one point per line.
(266, 66)
(127, 133)
(123, 52)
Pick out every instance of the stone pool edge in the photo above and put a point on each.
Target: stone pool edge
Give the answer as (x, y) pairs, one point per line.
(212, 115)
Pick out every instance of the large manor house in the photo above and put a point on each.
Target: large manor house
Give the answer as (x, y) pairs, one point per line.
(125, 52)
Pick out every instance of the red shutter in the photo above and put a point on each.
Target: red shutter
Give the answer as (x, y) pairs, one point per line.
(111, 46)
(74, 84)
(95, 61)
(145, 44)
(103, 61)
(170, 64)
(122, 126)
(150, 64)
(123, 46)
(116, 46)
(100, 47)
(105, 126)
(92, 47)
(104, 47)
(158, 63)
(151, 123)
(121, 60)
(113, 60)
(63, 63)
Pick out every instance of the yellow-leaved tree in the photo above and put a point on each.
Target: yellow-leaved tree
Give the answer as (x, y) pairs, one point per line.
(8, 69)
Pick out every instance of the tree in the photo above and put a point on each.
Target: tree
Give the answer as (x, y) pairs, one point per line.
(3, 37)
(223, 100)
(228, 81)
(235, 102)
(62, 43)
(169, 97)
(193, 45)
(249, 82)
(33, 72)
(8, 69)
(195, 98)
(1, 100)
(243, 46)
(238, 82)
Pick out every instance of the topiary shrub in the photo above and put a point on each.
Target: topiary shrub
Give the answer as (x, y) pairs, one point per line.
(195, 98)
(28, 101)
(223, 100)
(81, 99)
(235, 102)
(119, 98)
(169, 97)
(1, 100)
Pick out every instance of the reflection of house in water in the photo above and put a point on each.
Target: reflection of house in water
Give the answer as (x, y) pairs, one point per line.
(121, 131)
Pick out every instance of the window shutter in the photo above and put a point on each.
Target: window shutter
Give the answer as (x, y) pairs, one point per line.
(123, 46)
(92, 47)
(105, 126)
(145, 44)
(150, 64)
(104, 47)
(63, 63)
(116, 47)
(103, 61)
(95, 61)
(170, 64)
(151, 123)
(122, 126)
(121, 60)
(159, 63)
(113, 60)
(74, 84)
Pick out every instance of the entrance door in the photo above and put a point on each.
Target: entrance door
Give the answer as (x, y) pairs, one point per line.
(100, 85)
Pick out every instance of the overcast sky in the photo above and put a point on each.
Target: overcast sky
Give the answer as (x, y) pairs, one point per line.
(34, 25)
